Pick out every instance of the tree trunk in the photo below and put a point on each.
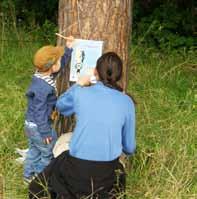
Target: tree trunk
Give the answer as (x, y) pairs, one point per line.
(106, 20)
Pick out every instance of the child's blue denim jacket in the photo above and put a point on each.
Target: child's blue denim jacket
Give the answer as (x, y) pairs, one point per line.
(42, 98)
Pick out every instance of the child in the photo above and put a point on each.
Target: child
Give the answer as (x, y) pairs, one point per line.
(41, 96)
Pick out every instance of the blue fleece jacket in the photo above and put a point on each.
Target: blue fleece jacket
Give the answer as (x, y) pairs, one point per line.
(105, 125)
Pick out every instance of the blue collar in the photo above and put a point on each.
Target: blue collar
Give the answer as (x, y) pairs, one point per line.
(99, 83)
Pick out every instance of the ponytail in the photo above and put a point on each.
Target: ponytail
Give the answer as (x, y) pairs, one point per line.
(109, 68)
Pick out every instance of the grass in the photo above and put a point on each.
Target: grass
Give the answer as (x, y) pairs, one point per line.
(15, 69)
(164, 166)
(166, 93)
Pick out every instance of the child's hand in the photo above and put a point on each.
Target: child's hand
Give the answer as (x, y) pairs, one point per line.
(47, 140)
(84, 80)
(69, 41)
(46, 137)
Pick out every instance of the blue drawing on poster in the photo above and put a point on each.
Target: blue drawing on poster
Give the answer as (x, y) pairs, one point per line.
(84, 56)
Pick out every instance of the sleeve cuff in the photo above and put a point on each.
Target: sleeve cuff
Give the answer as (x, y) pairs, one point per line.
(68, 51)
(126, 153)
(45, 134)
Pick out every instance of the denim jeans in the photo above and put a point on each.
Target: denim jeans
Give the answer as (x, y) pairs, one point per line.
(39, 154)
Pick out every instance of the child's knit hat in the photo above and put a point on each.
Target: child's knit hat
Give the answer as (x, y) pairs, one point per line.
(47, 56)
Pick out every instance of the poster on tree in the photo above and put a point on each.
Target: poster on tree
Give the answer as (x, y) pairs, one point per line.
(84, 56)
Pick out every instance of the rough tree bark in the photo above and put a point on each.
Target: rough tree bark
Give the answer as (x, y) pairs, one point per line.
(106, 20)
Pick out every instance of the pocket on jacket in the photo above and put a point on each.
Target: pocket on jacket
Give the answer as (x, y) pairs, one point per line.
(31, 129)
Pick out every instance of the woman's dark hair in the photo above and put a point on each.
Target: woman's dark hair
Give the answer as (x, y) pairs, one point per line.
(109, 67)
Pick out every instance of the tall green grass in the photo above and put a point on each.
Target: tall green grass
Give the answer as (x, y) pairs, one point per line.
(15, 69)
(165, 89)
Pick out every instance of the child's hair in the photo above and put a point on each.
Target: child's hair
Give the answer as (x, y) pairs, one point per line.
(109, 68)
(46, 56)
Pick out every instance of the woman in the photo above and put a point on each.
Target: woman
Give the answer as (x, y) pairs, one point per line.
(105, 128)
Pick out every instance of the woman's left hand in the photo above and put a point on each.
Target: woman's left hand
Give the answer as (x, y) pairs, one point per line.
(84, 80)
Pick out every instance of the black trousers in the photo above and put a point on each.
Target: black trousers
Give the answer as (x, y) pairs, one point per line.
(68, 177)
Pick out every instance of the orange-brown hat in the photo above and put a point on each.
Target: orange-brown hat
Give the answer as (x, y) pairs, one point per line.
(47, 56)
